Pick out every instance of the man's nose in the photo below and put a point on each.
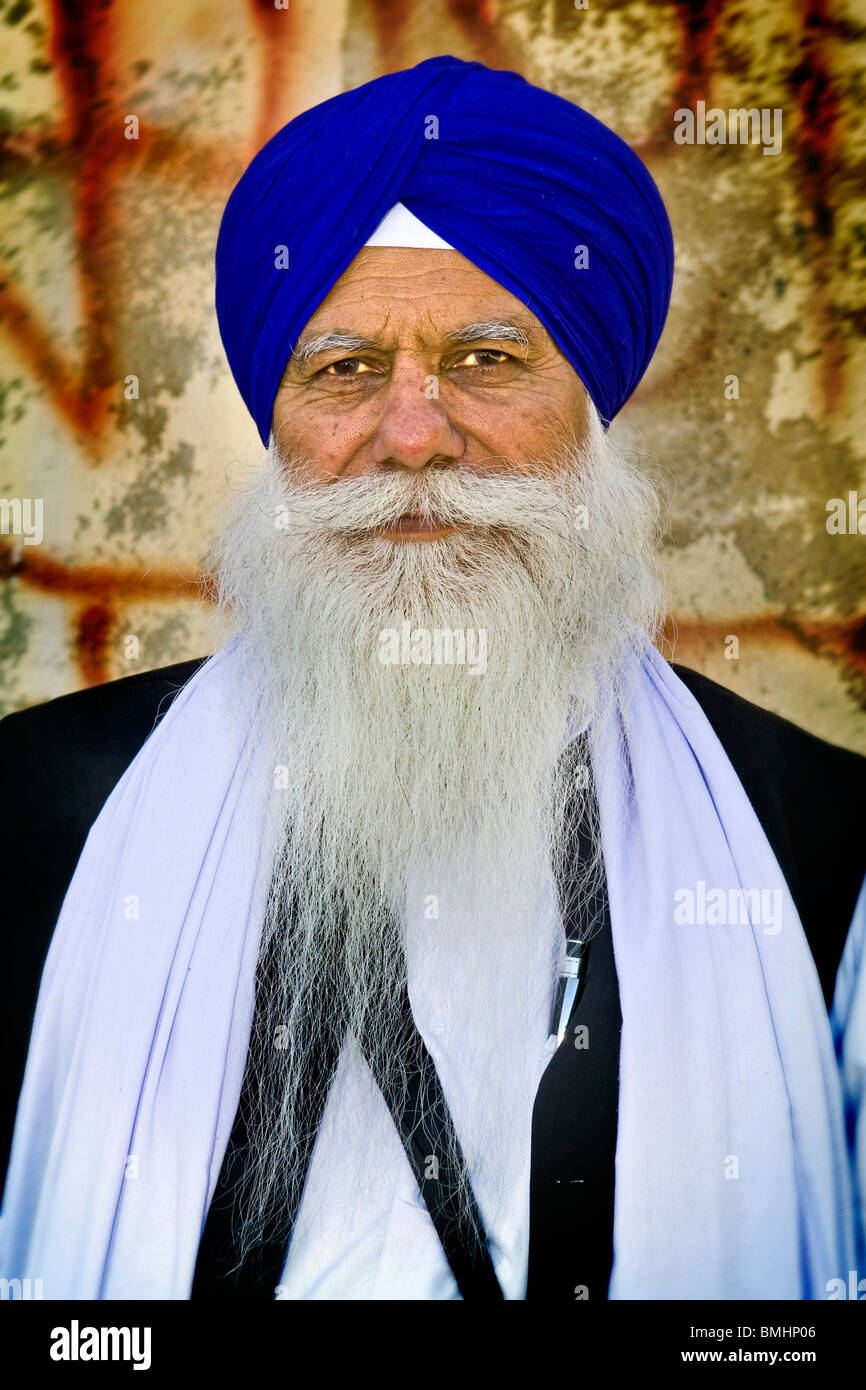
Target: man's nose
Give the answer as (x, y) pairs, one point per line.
(415, 428)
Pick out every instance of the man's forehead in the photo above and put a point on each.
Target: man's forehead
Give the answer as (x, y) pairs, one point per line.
(435, 296)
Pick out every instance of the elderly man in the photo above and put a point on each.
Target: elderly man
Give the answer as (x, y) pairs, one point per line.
(435, 938)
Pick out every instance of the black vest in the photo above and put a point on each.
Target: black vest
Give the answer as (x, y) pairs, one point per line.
(62, 759)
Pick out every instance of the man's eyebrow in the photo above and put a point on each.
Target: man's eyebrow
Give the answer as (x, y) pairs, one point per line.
(331, 342)
(501, 330)
(490, 330)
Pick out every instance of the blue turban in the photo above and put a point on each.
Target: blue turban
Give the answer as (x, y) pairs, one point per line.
(515, 178)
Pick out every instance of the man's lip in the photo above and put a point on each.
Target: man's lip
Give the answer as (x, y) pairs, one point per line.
(412, 525)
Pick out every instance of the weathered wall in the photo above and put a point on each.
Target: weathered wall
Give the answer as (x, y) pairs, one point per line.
(106, 251)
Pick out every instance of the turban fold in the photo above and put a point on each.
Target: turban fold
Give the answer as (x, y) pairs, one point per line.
(532, 189)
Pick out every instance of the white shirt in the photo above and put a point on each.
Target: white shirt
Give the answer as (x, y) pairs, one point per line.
(362, 1229)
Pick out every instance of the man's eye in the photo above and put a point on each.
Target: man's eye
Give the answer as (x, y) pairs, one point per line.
(484, 357)
(346, 367)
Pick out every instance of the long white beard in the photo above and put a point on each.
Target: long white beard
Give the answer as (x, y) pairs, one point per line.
(419, 806)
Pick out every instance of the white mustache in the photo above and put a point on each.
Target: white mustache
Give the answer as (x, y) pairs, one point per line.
(452, 496)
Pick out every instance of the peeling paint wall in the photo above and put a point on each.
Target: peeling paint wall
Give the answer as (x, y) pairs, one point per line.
(116, 406)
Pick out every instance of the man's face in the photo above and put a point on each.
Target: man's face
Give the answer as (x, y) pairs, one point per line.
(418, 358)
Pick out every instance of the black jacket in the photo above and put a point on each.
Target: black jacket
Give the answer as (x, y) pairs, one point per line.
(61, 760)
